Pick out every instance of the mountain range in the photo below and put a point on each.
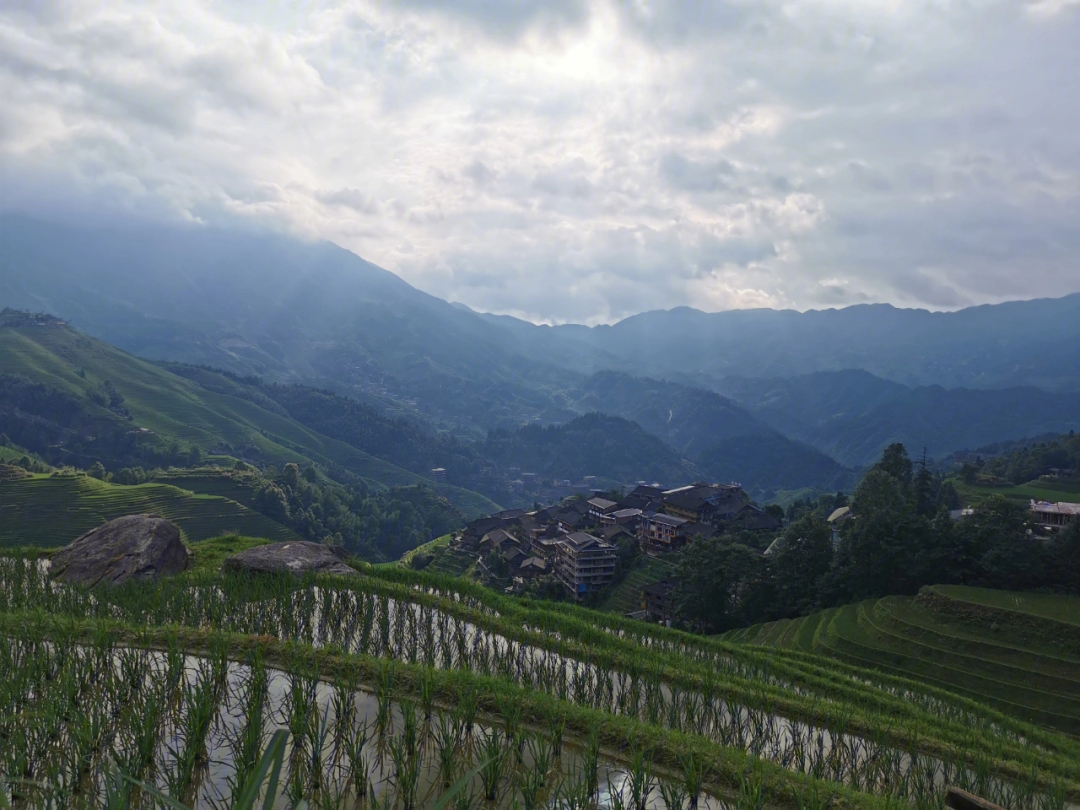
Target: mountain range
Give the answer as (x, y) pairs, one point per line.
(776, 399)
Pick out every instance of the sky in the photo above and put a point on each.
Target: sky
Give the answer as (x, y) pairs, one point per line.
(570, 160)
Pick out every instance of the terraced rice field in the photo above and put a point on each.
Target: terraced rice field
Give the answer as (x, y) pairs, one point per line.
(683, 715)
(626, 596)
(52, 510)
(1038, 490)
(1017, 652)
(445, 560)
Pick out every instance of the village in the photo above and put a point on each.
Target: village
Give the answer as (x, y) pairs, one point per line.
(578, 541)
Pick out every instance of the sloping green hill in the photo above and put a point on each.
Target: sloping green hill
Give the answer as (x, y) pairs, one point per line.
(83, 393)
(52, 510)
(1015, 651)
(1038, 490)
(626, 596)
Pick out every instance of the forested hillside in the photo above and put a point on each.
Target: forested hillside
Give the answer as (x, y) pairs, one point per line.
(75, 401)
(897, 537)
(290, 311)
(1059, 457)
(718, 436)
(852, 415)
(615, 450)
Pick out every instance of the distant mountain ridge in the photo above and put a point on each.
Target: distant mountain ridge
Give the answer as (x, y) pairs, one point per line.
(313, 313)
(851, 415)
(1018, 343)
(64, 393)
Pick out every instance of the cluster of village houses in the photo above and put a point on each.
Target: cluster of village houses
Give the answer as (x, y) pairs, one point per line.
(578, 540)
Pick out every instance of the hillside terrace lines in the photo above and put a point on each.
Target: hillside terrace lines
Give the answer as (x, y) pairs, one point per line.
(494, 650)
(1046, 606)
(798, 677)
(792, 745)
(1036, 692)
(920, 627)
(498, 635)
(963, 651)
(51, 510)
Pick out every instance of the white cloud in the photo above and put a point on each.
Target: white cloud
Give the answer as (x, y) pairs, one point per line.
(575, 160)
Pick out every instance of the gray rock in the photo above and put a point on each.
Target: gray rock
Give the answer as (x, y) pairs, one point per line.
(293, 557)
(130, 547)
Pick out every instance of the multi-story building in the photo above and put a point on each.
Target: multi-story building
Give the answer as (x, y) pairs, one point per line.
(660, 532)
(1054, 514)
(703, 503)
(599, 507)
(628, 517)
(584, 563)
(656, 601)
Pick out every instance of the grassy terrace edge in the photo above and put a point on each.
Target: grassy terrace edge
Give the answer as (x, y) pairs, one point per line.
(727, 767)
(662, 653)
(835, 678)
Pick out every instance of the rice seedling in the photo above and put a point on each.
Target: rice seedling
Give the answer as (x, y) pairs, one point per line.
(494, 753)
(472, 649)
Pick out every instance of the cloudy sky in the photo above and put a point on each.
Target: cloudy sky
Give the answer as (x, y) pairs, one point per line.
(568, 160)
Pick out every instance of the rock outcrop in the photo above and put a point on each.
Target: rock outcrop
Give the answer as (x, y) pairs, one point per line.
(297, 557)
(130, 547)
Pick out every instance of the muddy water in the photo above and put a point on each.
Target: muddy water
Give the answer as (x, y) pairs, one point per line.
(217, 780)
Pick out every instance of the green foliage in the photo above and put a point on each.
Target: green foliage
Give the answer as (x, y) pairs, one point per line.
(207, 556)
(718, 584)
(1030, 461)
(898, 537)
(402, 442)
(799, 564)
(381, 525)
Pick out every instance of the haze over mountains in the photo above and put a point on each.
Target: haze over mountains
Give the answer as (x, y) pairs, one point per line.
(781, 396)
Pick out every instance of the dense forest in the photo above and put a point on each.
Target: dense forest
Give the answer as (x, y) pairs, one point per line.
(401, 442)
(372, 526)
(1030, 461)
(899, 536)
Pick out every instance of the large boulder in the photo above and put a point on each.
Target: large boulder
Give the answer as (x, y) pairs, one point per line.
(130, 547)
(295, 557)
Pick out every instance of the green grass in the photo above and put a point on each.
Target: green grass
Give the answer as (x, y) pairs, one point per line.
(445, 560)
(1038, 490)
(207, 556)
(428, 548)
(626, 596)
(52, 510)
(1055, 607)
(1014, 651)
(454, 562)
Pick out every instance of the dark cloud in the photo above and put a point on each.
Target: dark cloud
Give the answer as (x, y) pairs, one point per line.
(508, 18)
(695, 175)
(577, 161)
